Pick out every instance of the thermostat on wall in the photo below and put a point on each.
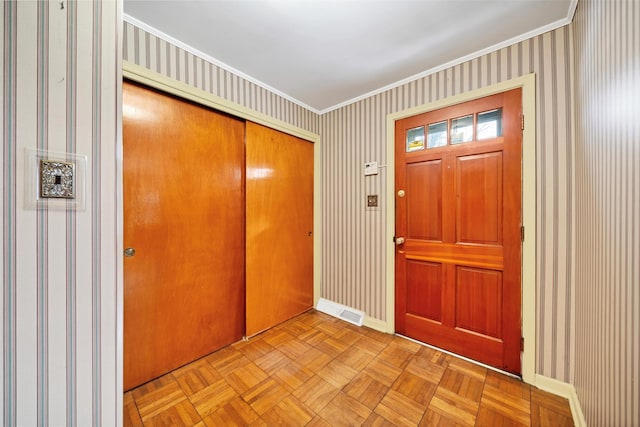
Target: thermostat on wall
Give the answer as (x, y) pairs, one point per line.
(371, 168)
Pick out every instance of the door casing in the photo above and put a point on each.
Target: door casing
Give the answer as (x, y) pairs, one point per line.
(527, 83)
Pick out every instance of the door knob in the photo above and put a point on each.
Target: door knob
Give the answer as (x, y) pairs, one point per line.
(399, 240)
(129, 252)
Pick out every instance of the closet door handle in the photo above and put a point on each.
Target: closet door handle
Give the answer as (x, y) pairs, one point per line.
(129, 252)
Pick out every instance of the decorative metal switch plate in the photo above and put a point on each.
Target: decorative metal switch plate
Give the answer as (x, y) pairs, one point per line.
(57, 179)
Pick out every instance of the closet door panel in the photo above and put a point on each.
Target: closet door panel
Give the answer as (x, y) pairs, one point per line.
(184, 217)
(279, 225)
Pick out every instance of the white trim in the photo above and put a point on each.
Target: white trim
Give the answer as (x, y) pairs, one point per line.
(549, 27)
(572, 10)
(527, 83)
(565, 390)
(154, 31)
(517, 39)
(183, 90)
(317, 220)
(118, 389)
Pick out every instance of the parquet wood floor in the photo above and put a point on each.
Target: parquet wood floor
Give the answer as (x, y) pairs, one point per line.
(315, 370)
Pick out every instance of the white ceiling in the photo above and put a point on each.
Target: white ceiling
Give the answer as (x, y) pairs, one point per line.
(323, 54)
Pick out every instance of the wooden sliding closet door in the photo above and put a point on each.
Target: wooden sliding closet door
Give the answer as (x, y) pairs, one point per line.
(184, 218)
(279, 226)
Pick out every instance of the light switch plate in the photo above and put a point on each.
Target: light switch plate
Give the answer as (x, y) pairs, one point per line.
(371, 168)
(54, 180)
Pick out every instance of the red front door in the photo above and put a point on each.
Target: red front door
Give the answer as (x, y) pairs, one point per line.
(458, 209)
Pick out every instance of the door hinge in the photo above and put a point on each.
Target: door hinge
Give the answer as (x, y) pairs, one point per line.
(521, 121)
(521, 343)
(522, 233)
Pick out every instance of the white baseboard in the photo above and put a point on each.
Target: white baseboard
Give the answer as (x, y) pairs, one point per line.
(565, 390)
(341, 311)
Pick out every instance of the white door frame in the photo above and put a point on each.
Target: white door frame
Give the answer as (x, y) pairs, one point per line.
(528, 85)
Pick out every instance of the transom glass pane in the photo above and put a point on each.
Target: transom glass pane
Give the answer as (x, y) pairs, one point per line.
(462, 129)
(490, 124)
(437, 135)
(415, 139)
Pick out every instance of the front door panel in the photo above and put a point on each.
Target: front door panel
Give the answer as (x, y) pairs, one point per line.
(458, 218)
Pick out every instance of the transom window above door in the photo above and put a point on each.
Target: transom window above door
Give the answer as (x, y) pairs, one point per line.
(460, 130)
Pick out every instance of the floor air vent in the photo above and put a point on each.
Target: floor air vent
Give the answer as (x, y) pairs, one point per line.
(340, 311)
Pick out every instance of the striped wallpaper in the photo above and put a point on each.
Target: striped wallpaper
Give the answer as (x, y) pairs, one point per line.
(60, 67)
(354, 249)
(607, 359)
(60, 92)
(353, 269)
(169, 60)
